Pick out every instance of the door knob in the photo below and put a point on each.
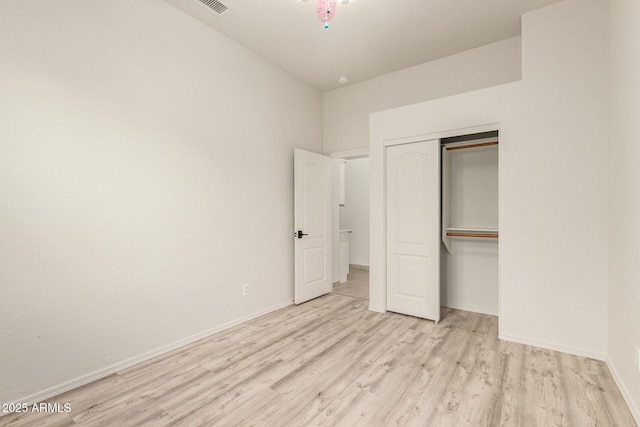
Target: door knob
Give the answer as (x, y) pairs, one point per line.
(300, 234)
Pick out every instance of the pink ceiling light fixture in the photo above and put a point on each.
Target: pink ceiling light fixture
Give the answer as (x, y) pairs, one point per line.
(325, 9)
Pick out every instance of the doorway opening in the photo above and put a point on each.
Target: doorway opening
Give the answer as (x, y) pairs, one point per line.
(351, 226)
(470, 244)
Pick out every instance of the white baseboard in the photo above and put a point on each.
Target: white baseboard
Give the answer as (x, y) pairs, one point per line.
(471, 309)
(577, 351)
(117, 367)
(377, 309)
(633, 406)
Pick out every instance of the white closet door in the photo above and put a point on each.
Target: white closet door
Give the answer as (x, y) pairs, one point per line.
(413, 229)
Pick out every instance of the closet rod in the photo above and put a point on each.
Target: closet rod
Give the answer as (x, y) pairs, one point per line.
(463, 147)
(493, 236)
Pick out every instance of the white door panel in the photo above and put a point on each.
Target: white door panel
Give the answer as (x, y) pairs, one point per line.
(312, 216)
(313, 202)
(412, 276)
(413, 229)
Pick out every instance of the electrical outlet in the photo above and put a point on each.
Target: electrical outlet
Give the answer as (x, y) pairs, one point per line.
(245, 290)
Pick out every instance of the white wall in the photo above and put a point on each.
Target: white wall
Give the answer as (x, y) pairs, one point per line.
(346, 110)
(624, 198)
(354, 215)
(145, 175)
(553, 178)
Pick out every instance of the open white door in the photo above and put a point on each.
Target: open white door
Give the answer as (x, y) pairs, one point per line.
(312, 216)
(413, 229)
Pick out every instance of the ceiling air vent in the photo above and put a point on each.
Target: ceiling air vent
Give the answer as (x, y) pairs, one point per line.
(214, 5)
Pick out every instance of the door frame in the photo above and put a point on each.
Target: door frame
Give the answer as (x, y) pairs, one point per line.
(378, 260)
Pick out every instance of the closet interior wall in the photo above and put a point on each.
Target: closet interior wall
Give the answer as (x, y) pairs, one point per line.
(469, 276)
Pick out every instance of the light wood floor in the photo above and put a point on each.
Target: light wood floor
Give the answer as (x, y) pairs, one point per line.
(332, 362)
(357, 284)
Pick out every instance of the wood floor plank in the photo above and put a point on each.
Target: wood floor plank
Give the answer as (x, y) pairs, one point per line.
(331, 362)
(332, 379)
(124, 392)
(347, 409)
(215, 344)
(145, 413)
(41, 419)
(364, 369)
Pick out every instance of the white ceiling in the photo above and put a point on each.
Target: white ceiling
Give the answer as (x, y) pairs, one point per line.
(367, 38)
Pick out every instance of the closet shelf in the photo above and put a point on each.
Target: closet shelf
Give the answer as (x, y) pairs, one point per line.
(472, 232)
(464, 147)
